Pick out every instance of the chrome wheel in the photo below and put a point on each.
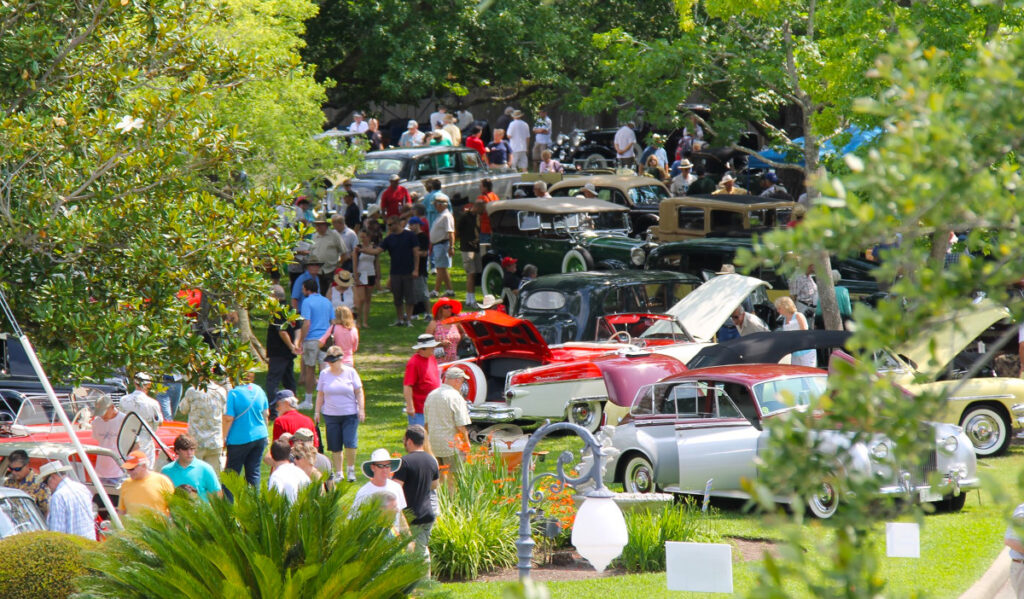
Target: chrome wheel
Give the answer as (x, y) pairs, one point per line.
(586, 414)
(639, 476)
(825, 502)
(987, 431)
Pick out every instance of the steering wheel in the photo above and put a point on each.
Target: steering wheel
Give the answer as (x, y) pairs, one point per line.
(624, 335)
(79, 415)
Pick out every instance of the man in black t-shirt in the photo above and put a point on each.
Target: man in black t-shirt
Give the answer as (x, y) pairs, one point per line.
(468, 230)
(403, 246)
(352, 213)
(418, 476)
(280, 354)
(420, 306)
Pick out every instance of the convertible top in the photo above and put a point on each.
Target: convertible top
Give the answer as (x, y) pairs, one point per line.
(555, 205)
(766, 348)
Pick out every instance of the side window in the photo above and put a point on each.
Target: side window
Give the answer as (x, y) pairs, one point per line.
(686, 400)
(618, 197)
(613, 301)
(691, 219)
(471, 161)
(740, 397)
(726, 220)
(659, 297)
(426, 167)
(634, 298)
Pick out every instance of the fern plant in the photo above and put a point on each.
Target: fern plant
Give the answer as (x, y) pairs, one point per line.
(257, 546)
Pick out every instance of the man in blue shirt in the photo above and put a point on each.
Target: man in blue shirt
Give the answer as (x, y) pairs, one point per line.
(312, 272)
(316, 312)
(188, 471)
(245, 427)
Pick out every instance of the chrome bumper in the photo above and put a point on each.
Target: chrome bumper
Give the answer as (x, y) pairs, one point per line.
(1018, 414)
(493, 413)
(952, 482)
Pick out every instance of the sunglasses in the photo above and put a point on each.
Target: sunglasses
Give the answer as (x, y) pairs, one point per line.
(16, 468)
(381, 465)
(734, 317)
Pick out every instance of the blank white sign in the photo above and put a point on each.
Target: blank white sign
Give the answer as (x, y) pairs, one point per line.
(701, 567)
(902, 539)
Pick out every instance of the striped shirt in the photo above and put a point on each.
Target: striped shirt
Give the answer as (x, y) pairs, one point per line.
(71, 510)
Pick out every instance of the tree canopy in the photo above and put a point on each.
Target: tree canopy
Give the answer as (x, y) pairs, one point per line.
(142, 152)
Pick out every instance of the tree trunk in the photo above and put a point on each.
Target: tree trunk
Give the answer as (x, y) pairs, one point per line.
(822, 260)
(245, 329)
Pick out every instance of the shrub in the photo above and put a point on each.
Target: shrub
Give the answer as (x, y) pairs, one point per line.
(41, 565)
(650, 529)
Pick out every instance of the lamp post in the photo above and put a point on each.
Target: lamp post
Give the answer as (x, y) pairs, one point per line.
(599, 531)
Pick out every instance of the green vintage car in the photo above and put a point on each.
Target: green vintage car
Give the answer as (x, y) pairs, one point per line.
(560, 235)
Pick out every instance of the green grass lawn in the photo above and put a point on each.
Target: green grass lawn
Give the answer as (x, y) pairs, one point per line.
(955, 548)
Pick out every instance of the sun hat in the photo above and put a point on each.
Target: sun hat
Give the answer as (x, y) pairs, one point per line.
(517, 114)
(134, 459)
(727, 269)
(332, 359)
(380, 455)
(426, 341)
(728, 178)
(590, 187)
(303, 434)
(508, 261)
(373, 209)
(684, 163)
(321, 219)
(489, 301)
(52, 468)
(143, 377)
(455, 373)
(455, 305)
(343, 278)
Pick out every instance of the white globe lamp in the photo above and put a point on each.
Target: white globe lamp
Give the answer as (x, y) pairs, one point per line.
(599, 531)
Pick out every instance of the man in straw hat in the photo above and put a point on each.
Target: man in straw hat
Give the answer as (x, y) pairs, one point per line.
(519, 139)
(681, 182)
(70, 502)
(727, 186)
(420, 377)
(379, 469)
(447, 418)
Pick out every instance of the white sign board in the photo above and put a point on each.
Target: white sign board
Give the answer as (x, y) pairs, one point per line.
(902, 539)
(699, 567)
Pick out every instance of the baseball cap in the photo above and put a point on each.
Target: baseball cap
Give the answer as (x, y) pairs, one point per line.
(134, 459)
(508, 261)
(303, 434)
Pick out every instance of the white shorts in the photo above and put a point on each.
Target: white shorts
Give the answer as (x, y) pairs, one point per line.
(520, 160)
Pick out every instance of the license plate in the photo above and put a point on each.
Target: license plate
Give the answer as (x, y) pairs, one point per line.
(928, 495)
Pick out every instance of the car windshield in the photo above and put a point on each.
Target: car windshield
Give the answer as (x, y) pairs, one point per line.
(380, 166)
(545, 300)
(605, 221)
(647, 195)
(19, 514)
(783, 394)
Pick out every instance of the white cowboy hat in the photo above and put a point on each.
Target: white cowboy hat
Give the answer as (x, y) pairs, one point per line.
(489, 301)
(380, 455)
(728, 178)
(52, 468)
(426, 341)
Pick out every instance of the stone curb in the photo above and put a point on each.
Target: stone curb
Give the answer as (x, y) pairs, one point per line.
(997, 575)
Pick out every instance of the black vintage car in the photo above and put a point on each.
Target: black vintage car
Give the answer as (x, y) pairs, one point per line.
(705, 257)
(567, 307)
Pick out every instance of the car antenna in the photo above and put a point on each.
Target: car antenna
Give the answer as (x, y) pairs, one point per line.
(59, 410)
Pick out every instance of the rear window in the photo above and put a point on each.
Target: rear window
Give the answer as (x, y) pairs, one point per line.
(647, 194)
(691, 219)
(544, 300)
(380, 166)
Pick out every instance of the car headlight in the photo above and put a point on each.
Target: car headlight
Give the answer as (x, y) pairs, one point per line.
(880, 451)
(637, 256)
(949, 444)
(561, 139)
(576, 139)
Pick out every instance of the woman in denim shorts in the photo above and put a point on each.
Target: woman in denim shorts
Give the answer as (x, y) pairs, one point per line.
(339, 398)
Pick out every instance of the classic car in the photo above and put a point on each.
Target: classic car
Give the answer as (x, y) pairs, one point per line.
(576, 389)
(459, 170)
(559, 235)
(642, 195)
(567, 307)
(18, 513)
(982, 405)
(691, 217)
(709, 423)
(704, 257)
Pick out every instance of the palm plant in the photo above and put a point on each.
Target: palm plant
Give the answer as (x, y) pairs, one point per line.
(257, 546)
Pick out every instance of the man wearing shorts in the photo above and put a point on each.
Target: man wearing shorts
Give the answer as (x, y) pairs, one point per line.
(469, 244)
(442, 245)
(317, 312)
(401, 244)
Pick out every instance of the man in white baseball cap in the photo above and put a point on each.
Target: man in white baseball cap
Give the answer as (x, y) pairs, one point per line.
(446, 418)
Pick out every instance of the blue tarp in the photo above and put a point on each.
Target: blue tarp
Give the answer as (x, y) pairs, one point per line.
(858, 138)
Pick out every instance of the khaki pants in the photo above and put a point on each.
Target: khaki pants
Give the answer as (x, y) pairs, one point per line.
(211, 457)
(1017, 579)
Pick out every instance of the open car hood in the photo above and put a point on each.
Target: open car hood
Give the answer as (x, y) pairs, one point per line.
(767, 348)
(494, 332)
(704, 310)
(950, 334)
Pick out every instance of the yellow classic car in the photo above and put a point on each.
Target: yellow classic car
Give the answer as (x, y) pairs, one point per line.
(691, 217)
(981, 405)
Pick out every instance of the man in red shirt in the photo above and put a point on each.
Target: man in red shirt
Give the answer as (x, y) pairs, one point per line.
(486, 195)
(420, 378)
(289, 419)
(474, 141)
(394, 197)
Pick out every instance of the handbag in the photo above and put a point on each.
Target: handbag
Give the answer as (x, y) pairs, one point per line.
(330, 338)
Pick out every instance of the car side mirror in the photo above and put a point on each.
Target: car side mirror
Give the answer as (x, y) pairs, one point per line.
(129, 434)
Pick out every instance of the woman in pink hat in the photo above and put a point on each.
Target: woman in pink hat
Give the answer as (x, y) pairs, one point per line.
(448, 335)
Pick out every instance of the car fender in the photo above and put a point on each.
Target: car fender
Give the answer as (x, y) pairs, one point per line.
(476, 384)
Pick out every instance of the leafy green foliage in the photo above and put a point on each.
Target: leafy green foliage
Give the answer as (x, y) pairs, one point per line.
(650, 529)
(260, 545)
(41, 565)
(124, 135)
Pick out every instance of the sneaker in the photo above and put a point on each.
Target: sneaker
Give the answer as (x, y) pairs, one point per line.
(351, 474)
(408, 323)
(305, 405)
(433, 294)
(398, 323)
(449, 293)
(426, 318)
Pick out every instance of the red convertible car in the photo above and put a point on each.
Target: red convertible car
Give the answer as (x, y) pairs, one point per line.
(515, 375)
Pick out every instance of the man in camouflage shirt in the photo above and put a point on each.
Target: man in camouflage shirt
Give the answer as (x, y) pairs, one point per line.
(205, 409)
(148, 410)
(21, 477)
